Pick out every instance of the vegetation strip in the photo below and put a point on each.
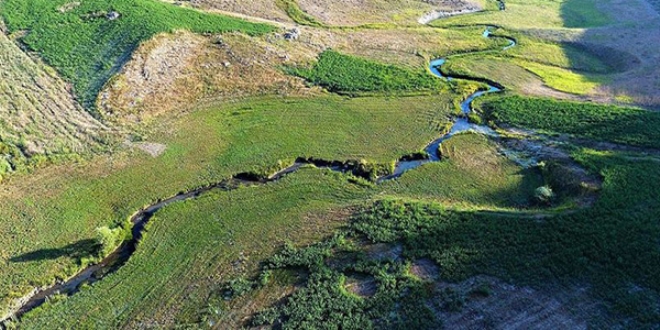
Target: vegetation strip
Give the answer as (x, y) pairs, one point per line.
(631, 126)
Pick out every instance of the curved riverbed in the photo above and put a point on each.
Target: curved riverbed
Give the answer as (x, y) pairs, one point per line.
(139, 220)
(461, 124)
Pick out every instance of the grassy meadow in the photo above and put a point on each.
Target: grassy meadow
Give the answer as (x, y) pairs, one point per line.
(322, 249)
(353, 75)
(610, 249)
(473, 173)
(632, 126)
(46, 214)
(234, 231)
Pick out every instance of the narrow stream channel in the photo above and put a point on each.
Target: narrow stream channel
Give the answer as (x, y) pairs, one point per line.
(139, 220)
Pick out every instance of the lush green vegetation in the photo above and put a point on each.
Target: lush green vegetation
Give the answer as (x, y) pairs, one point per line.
(612, 247)
(87, 48)
(191, 246)
(325, 302)
(44, 214)
(224, 230)
(472, 172)
(564, 80)
(353, 75)
(214, 260)
(594, 121)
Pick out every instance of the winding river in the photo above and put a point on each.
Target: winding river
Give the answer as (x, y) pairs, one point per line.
(139, 220)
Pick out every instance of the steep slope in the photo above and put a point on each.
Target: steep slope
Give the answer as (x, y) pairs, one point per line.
(39, 119)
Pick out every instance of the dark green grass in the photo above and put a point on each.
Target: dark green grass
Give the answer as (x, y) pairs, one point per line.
(353, 75)
(611, 248)
(611, 123)
(87, 48)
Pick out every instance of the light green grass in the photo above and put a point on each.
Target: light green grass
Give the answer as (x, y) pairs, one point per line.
(188, 242)
(535, 14)
(564, 80)
(169, 277)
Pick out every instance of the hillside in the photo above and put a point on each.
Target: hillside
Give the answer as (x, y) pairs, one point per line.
(40, 119)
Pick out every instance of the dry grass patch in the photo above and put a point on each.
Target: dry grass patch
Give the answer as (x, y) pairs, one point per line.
(38, 115)
(487, 302)
(257, 8)
(171, 73)
(358, 12)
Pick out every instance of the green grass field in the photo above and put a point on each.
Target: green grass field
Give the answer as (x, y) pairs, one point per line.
(321, 249)
(87, 48)
(191, 245)
(352, 75)
(472, 173)
(597, 122)
(609, 248)
(65, 204)
(249, 224)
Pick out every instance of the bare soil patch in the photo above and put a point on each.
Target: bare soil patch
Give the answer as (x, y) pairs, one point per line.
(171, 73)
(357, 12)
(382, 251)
(265, 9)
(363, 286)
(425, 269)
(489, 303)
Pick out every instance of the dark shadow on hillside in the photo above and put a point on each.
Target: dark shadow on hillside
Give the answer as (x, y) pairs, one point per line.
(625, 37)
(78, 250)
(611, 248)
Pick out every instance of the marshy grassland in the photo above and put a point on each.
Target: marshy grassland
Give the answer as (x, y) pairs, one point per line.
(110, 106)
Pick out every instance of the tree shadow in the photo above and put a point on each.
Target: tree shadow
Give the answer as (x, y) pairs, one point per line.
(77, 250)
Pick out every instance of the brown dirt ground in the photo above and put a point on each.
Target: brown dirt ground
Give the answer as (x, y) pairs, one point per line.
(363, 286)
(258, 8)
(514, 307)
(425, 269)
(356, 12)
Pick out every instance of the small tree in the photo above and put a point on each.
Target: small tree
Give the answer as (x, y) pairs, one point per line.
(544, 194)
(109, 239)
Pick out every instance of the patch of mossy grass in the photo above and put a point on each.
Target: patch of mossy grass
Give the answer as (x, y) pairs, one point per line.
(294, 12)
(598, 122)
(87, 47)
